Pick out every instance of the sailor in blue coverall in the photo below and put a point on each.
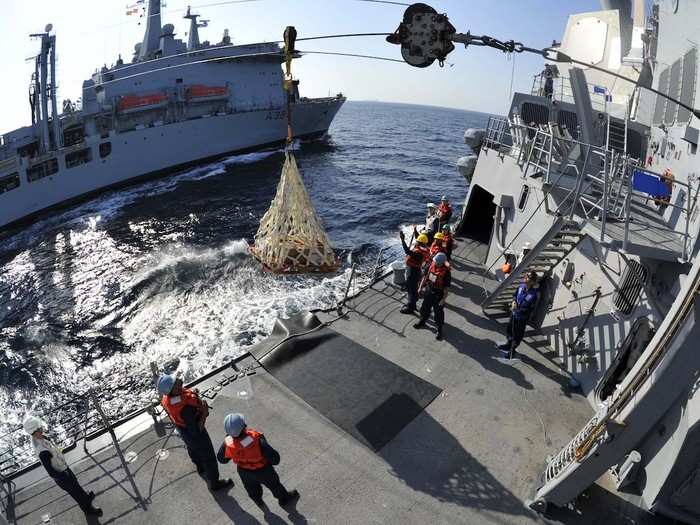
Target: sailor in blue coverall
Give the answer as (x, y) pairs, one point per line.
(524, 301)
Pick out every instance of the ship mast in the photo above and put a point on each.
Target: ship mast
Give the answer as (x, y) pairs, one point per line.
(151, 39)
(193, 38)
(45, 87)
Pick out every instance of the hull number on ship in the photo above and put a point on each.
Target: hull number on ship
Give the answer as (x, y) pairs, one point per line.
(276, 115)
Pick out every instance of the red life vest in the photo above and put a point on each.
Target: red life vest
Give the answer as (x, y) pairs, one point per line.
(444, 210)
(436, 248)
(174, 405)
(245, 451)
(425, 254)
(436, 275)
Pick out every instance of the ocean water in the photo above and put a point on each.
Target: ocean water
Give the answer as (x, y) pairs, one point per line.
(90, 295)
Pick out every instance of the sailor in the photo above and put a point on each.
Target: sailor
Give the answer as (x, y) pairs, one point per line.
(523, 303)
(438, 245)
(432, 222)
(54, 462)
(548, 75)
(254, 458)
(444, 211)
(189, 414)
(416, 257)
(449, 240)
(437, 280)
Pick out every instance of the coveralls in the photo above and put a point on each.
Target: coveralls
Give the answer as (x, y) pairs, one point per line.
(525, 299)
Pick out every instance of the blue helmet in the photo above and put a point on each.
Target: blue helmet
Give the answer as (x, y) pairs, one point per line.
(234, 424)
(165, 384)
(440, 258)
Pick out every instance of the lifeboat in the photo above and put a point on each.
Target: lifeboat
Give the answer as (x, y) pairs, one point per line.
(202, 93)
(131, 103)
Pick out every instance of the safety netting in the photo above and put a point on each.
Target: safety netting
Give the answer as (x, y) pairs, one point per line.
(291, 237)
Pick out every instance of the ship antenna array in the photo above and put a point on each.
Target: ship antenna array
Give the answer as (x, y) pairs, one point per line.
(426, 36)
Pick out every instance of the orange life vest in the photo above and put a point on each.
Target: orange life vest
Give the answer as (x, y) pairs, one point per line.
(174, 405)
(245, 451)
(436, 248)
(425, 254)
(436, 275)
(444, 210)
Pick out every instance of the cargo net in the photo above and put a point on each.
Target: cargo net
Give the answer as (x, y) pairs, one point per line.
(290, 238)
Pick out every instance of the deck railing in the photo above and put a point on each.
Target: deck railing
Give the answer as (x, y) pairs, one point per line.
(597, 182)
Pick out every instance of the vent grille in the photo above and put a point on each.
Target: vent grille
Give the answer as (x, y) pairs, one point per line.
(631, 284)
(661, 101)
(688, 85)
(674, 90)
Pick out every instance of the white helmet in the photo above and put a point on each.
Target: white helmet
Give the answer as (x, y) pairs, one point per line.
(32, 424)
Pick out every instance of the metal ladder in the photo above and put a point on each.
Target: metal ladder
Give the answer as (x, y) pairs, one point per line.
(539, 156)
(563, 236)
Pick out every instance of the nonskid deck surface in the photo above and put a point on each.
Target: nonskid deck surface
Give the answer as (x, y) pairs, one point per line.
(472, 456)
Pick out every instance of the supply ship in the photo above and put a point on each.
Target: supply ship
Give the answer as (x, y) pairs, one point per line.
(591, 181)
(174, 105)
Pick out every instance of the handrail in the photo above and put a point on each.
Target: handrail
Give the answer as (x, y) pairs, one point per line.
(615, 176)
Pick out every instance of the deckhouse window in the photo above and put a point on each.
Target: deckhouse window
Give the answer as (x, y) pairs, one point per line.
(105, 149)
(9, 182)
(79, 157)
(42, 169)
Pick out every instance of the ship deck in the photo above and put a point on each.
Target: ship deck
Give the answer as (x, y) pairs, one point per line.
(473, 454)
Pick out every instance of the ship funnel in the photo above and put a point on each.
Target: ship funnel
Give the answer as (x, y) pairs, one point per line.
(151, 40)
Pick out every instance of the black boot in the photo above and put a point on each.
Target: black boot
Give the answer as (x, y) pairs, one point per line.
(407, 310)
(220, 484)
(94, 511)
(438, 336)
(291, 496)
(419, 324)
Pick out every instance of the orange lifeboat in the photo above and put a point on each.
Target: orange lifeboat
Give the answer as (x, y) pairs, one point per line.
(200, 91)
(141, 102)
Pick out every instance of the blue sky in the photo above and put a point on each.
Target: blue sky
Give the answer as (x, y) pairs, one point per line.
(91, 33)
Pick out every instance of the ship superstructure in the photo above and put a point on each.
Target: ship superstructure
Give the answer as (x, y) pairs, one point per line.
(592, 181)
(175, 104)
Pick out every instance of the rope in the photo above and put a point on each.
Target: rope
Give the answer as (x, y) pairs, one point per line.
(351, 55)
(383, 2)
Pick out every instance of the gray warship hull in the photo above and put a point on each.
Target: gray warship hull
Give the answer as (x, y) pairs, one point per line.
(158, 150)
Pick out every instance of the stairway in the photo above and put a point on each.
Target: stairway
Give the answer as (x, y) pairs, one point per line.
(553, 247)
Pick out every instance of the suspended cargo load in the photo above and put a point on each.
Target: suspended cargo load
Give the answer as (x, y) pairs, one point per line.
(202, 93)
(290, 238)
(132, 103)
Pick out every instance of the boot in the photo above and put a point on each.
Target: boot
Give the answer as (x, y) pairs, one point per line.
(220, 484)
(291, 496)
(94, 511)
(419, 324)
(407, 310)
(438, 336)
